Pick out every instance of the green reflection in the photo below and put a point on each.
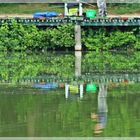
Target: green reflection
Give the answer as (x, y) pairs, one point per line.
(26, 68)
(23, 66)
(25, 111)
(47, 113)
(114, 62)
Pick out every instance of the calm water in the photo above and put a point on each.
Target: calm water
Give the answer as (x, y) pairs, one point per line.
(26, 111)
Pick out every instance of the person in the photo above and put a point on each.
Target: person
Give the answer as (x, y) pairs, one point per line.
(102, 12)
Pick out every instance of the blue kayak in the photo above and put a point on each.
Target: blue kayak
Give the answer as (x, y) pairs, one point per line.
(45, 14)
(46, 86)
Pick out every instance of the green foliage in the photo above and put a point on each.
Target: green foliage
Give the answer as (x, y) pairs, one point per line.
(20, 37)
(121, 40)
(62, 36)
(17, 37)
(104, 39)
(94, 39)
(137, 46)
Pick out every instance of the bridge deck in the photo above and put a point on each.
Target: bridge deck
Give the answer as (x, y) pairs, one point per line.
(131, 21)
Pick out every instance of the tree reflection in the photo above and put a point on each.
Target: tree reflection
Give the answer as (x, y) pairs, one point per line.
(23, 67)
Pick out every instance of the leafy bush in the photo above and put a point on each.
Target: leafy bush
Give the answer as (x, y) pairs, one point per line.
(19, 37)
(121, 40)
(103, 39)
(63, 36)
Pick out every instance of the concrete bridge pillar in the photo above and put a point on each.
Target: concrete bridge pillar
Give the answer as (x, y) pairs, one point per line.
(78, 46)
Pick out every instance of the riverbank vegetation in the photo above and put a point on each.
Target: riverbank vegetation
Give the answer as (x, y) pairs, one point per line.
(111, 39)
(17, 37)
(25, 38)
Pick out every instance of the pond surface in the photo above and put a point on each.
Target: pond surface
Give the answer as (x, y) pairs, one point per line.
(35, 112)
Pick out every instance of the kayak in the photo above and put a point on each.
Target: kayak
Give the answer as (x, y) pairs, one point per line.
(46, 86)
(45, 14)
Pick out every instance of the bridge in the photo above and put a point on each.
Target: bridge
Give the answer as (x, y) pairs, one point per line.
(87, 78)
(115, 21)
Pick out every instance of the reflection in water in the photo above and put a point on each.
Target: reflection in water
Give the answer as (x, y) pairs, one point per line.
(28, 111)
(102, 90)
(74, 87)
(74, 90)
(101, 116)
(51, 67)
(78, 56)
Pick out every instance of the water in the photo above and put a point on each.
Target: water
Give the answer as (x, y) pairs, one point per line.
(30, 112)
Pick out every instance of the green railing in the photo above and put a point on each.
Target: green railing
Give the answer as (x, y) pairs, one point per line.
(107, 78)
(74, 20)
